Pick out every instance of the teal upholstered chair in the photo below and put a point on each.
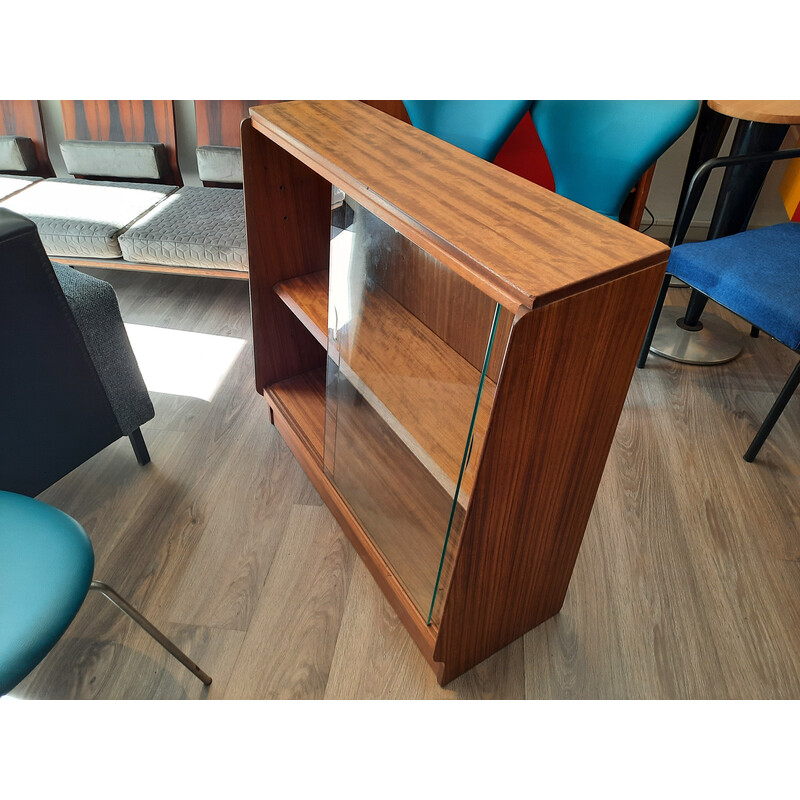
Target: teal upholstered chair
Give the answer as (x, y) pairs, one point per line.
(598, 149)
(479, 126)
(46, 569)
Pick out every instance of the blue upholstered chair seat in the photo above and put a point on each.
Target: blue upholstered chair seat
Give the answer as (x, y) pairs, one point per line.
(46, 565)
(730, 268)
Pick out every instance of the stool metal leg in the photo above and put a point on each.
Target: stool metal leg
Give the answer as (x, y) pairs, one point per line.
(168, 645)
(775, 412)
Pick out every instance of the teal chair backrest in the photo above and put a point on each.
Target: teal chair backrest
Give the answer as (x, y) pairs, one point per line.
(479, 126)
(598, 149)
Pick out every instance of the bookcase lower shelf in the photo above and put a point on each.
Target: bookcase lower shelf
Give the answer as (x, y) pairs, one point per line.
(297, 408)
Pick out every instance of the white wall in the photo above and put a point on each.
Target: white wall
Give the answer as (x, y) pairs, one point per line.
(665, 191)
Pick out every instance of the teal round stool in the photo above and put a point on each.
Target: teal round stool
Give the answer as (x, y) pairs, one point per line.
(46, 568)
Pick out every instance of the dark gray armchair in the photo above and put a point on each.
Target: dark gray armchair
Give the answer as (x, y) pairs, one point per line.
(69, 381)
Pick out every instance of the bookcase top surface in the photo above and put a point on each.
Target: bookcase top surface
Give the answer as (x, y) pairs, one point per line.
(521, 243)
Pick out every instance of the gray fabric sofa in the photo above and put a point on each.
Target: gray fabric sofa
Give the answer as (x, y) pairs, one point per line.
(138, 225)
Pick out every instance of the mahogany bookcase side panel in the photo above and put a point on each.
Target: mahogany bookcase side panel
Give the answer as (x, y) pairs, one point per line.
(287, 212)
(561, 391)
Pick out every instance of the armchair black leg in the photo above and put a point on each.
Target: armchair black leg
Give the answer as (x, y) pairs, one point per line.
(139, 447)
(774, 413)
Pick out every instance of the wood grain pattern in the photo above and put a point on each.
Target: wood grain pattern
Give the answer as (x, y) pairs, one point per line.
(779, 112)
(302, 602)
(24, 118)
(491, 226)
(219, 122)
(567, 369)
(405, 371)
(451, 307)
(125, 121)
(287, 208)
(542, 462)
(122, 264)
(307, 297)
(302, 398)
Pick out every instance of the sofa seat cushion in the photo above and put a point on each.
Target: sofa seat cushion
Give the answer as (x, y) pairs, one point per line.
(85, 218)
(11, 184)
(196, 227)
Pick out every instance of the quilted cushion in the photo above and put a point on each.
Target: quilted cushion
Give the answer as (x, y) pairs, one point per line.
(84, 218)
(197, 226)
(11, 185)
(755, 274)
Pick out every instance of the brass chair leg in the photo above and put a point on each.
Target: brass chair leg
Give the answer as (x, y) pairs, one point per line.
(168, 645)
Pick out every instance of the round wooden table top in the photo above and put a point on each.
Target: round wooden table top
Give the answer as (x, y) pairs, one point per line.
(781, 112)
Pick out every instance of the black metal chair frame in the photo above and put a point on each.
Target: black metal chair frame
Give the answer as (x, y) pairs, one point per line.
(698, 299)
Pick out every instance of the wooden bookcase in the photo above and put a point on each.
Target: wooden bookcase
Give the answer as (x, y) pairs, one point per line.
(449, 369)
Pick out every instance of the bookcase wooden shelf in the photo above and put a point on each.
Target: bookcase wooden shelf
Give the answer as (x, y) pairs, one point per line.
(448, 366)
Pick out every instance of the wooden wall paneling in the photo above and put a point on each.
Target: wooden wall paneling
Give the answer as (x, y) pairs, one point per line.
(219, 122)
(24, 118)
(549, 436)
(125, 121)
(287, 208)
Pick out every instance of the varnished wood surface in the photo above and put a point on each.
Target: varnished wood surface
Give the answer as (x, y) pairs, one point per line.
(124, 121)
(687, 585)
(302, 399)
(307, 297)
(287, 209)
(520, 243)
(545, 451)
(121, 263)
(410, 372)
(24, 118)
(780, 112)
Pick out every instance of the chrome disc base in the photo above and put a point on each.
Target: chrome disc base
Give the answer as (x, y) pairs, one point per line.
(716, 343)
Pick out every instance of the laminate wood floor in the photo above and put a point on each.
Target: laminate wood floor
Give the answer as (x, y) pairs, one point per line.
(687, 584)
